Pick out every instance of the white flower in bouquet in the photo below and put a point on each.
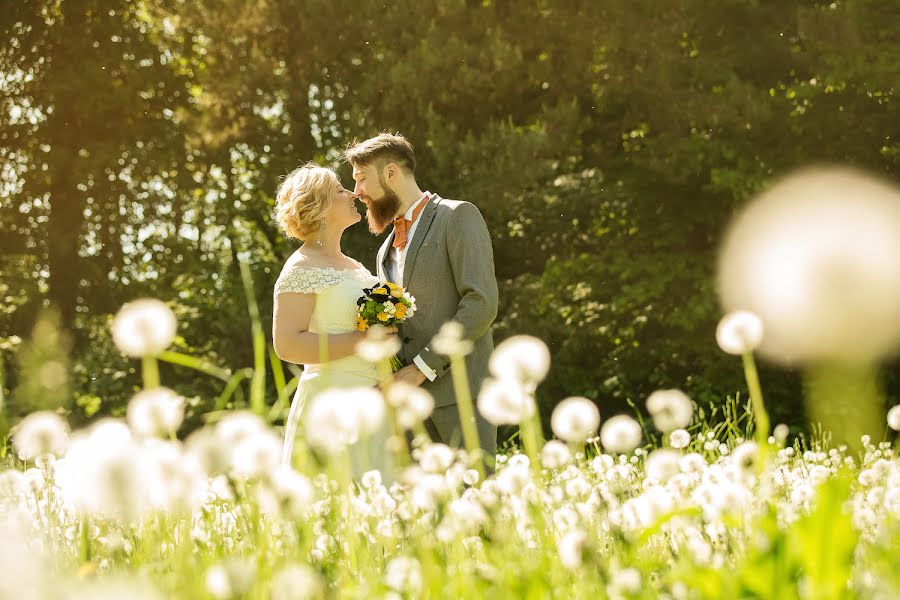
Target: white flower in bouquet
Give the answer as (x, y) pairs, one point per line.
(817, 258)
(575, 419)
(155, 412)
(504, 402)
(739, 332)
(555, 455)
(412, 404)
(679, 439)
(621, 434)
(523, 358)
(297, 582)
(144, 327)
(670, 409)
(893, 418)
(41, 434)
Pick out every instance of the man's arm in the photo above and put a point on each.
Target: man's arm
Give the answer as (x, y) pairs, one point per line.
(472, 262)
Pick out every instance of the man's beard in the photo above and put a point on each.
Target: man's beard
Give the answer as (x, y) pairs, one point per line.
(381, 211)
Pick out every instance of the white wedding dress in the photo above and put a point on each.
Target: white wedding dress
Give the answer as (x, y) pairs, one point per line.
(336, 294)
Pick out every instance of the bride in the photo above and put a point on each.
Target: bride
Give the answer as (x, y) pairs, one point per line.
(315, 296)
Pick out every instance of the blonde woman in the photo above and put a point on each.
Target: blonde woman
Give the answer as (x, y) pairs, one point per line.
(315, 296)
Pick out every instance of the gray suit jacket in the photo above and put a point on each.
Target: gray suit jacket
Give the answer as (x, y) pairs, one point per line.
(449, 270)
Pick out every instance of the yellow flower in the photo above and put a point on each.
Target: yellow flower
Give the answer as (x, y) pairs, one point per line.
(361, 324)
(400, 310)
(380, 290)
(383, 316)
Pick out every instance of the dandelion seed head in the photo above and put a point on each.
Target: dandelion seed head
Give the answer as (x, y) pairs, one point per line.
(893, 418)
(739, 332)
(155, 412)
(450, 340)
(144, 327)
(40, 434)
(817, 258)
(670, 409)
(679, 439)
(504, 402)
(297, 582)
(575, 419)
(620, 434)
(555, 455)
(523, 358)
(378, 345)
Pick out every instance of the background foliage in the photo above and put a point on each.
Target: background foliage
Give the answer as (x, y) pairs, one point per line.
(606, 143)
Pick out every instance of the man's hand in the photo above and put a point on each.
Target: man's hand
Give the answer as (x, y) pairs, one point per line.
(410, 374)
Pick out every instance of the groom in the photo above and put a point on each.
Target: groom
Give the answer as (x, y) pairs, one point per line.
(440, 251)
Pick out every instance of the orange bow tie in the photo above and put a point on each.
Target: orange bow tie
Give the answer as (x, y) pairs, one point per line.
(402, 225)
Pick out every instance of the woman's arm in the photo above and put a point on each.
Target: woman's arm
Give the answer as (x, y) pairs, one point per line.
(291, 336)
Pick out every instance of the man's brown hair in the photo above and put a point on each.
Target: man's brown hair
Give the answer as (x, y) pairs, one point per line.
(381, 150)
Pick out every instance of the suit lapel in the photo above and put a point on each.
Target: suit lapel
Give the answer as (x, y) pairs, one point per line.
(383, 256)
(425, 220)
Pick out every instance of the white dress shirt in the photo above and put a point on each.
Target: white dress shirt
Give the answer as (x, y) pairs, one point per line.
(395, 265)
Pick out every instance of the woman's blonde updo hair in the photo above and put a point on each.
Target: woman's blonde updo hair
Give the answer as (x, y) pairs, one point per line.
(302, 199)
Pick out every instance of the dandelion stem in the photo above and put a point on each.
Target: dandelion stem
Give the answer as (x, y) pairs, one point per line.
(847, 400)
(466, 410)
(150, 372)
(756, 401)
(397, 442)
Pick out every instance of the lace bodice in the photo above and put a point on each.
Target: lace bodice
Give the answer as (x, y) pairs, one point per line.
(336, 293)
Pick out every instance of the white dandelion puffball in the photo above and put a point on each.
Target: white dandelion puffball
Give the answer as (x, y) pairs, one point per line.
(739, 332)
(450, 340)
(817, 258)
(521, 357)
(555, 455)
(156, 412)
(40, 434)
(572, 548)
(621, 434)
(679, 439)
(338, 417)
(378, 344)
(412, 404)
(670, 409)
(297, 582)
(144, 327)
(504, 402)
(893, 418)
(575, 419)
(662, 464)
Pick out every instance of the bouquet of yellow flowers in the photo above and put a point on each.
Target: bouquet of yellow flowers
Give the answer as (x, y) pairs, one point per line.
(385, 304)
